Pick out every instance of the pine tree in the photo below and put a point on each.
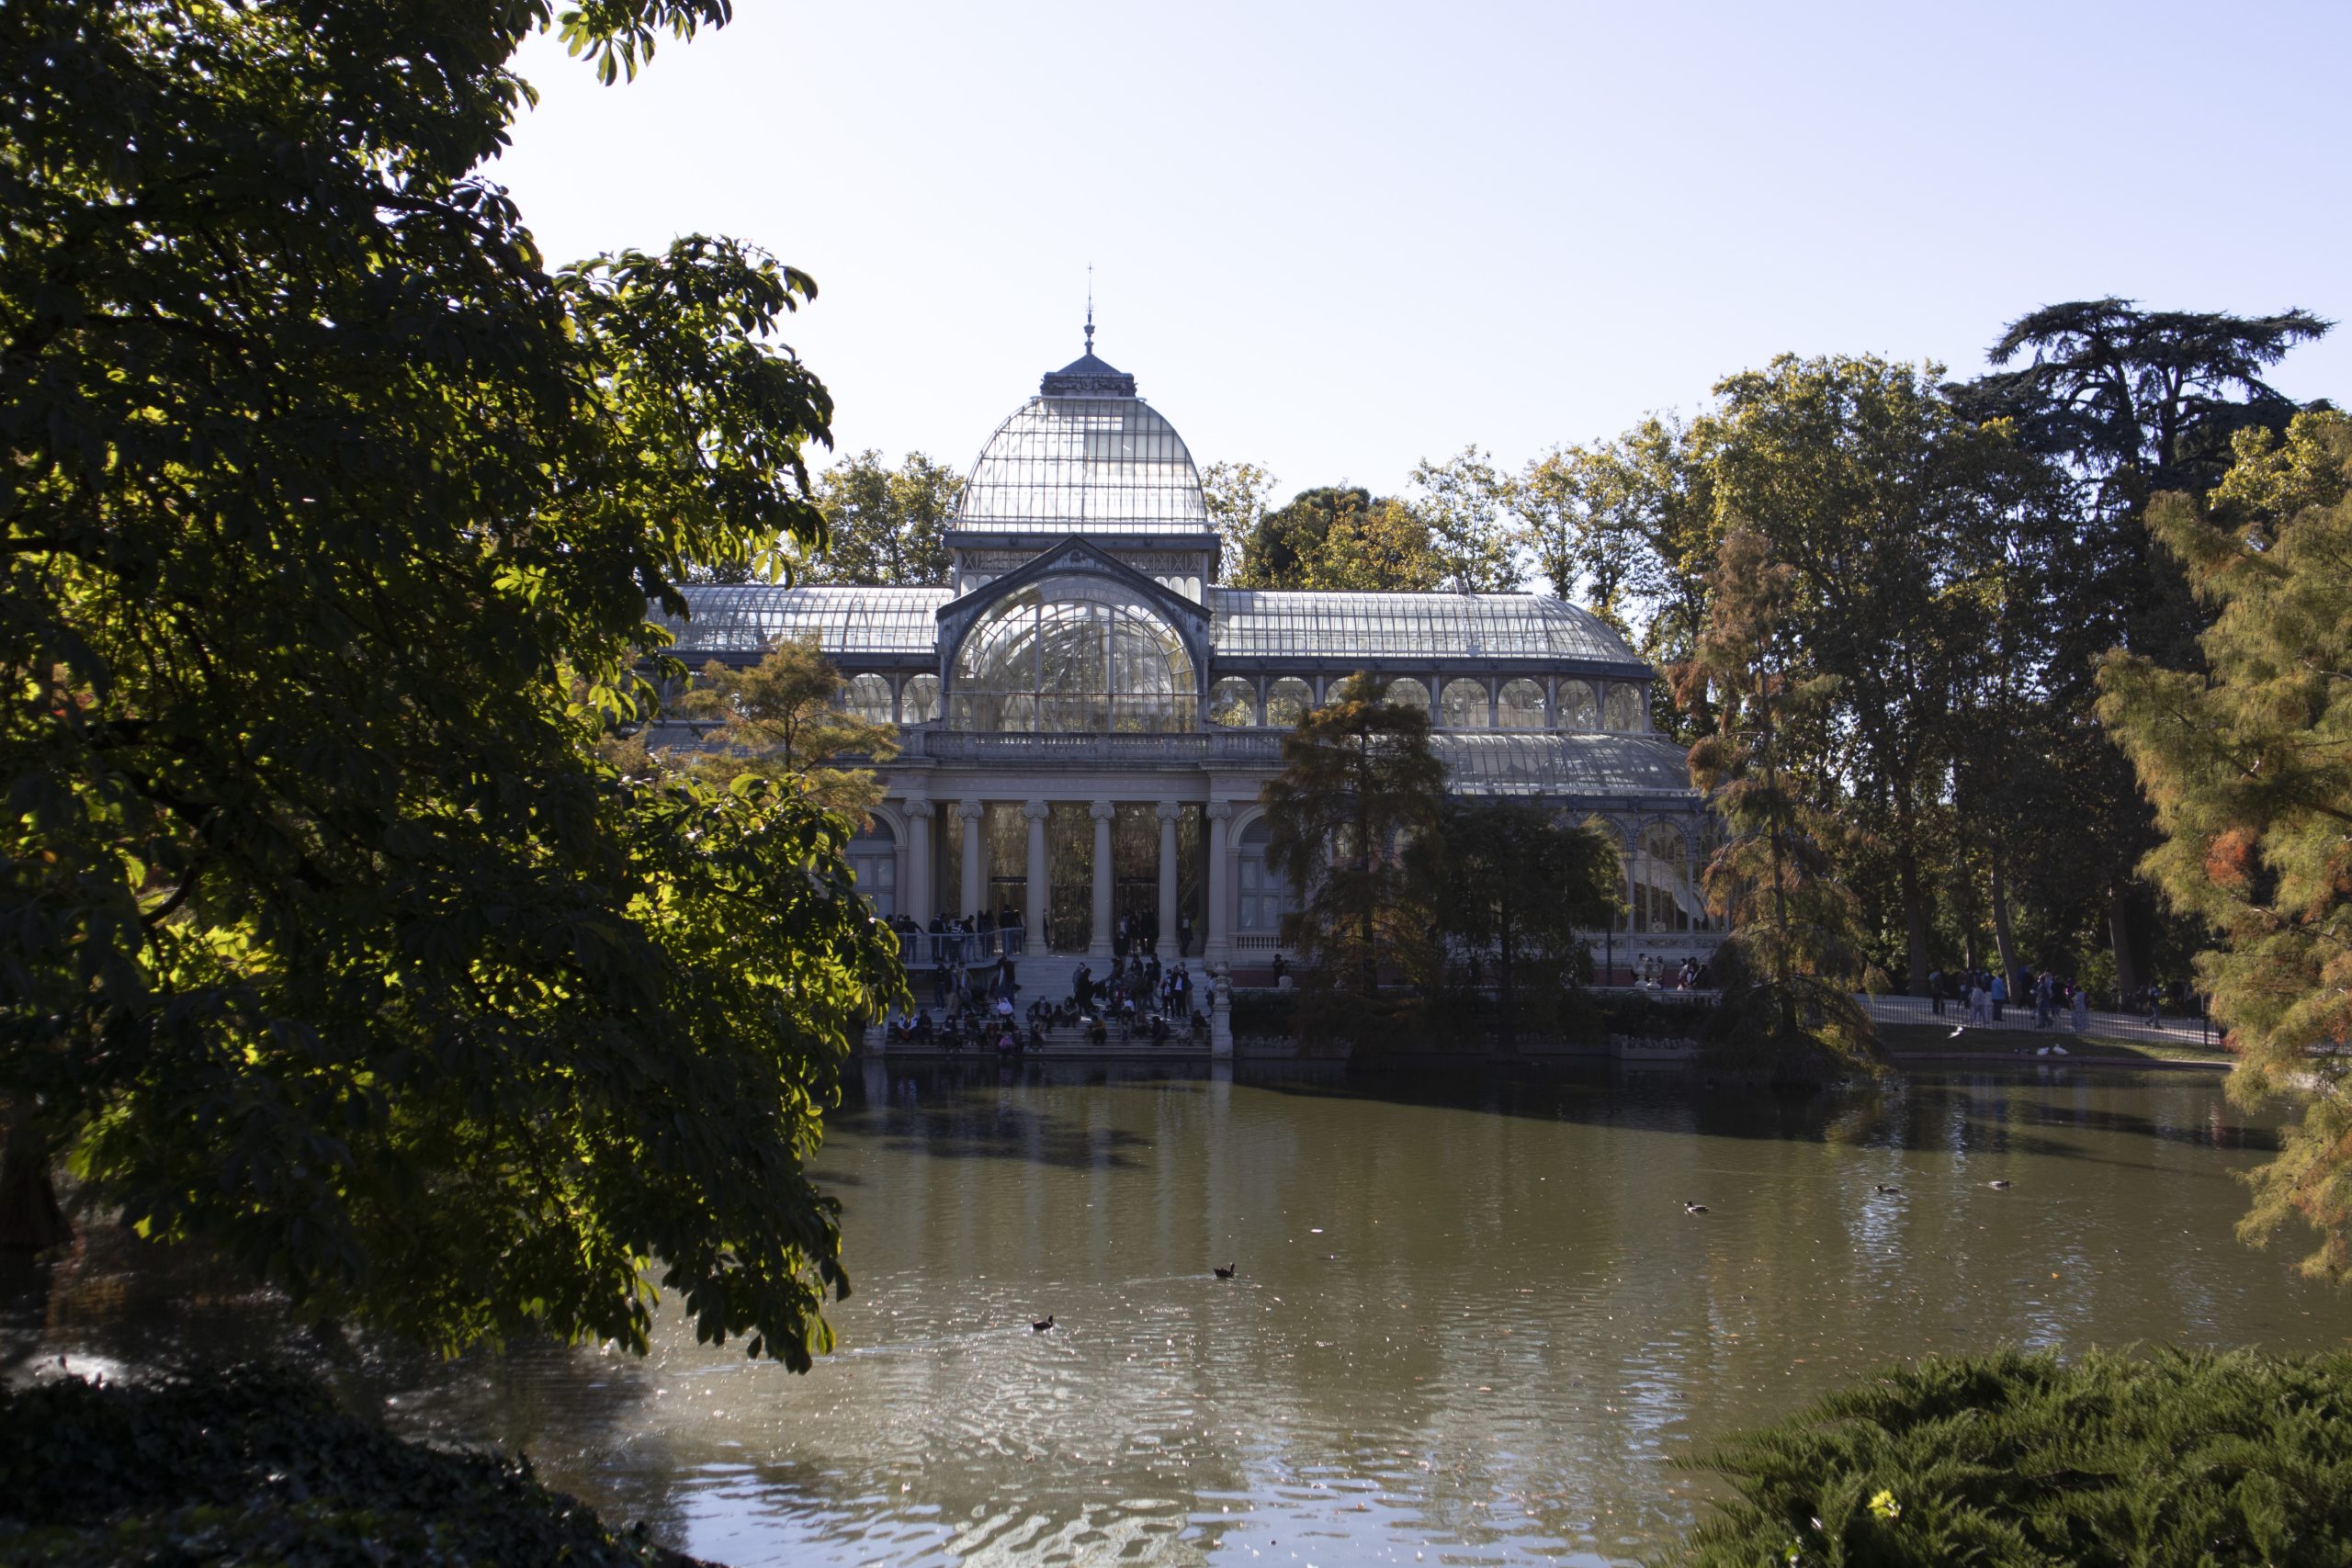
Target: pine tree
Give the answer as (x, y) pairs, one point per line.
(781, 719)
(1791, 960)
(2249, 768)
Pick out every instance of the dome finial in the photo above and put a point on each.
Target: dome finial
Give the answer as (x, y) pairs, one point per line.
(1090, 307)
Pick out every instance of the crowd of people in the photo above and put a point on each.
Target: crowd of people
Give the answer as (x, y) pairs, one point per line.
(1984, 996)
(979, 1008)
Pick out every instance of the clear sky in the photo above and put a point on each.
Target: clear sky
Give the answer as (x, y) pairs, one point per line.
(1335, 239)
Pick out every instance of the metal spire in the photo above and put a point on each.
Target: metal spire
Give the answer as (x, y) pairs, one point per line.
(1090, 307)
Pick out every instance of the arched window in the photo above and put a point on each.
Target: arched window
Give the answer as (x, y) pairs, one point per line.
(919, 699)
(1465, 705)
(874, 860)
(1233, 701)
(1577, 708)
(1073, 655)
(1520, 706)
(1265, 893)
(1623, 709)
(1664, 897)
(1287, 701)
(1408, 693)
(867, 697)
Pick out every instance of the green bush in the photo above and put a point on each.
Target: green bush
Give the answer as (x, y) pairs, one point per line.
(1265, 1014)
(2014, 1459)
(259, 1466)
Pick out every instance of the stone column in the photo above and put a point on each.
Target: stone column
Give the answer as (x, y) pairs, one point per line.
(1099, 947)
(919, 907)
(1217, 947)
(1039, 885)
(969, 810)
(1168, 813)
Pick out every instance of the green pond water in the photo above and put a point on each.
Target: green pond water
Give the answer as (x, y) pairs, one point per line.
(1472, 1321)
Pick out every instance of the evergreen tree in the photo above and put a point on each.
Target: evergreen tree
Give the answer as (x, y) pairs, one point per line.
(2248, 764)
(1790, 961)
(1359, 782)
(781, 719)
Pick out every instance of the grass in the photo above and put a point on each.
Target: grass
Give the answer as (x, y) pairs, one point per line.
(1901, 1039)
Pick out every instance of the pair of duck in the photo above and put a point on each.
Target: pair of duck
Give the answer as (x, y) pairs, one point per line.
(1045, 1324)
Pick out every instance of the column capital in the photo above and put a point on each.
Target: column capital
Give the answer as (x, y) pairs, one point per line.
(1036, 810)
(1220, 811)
(916, 806)
(1102, 811)
(1171, 810)
(970, 810)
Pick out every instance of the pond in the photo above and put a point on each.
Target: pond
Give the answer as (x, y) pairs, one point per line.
(1472, 1321)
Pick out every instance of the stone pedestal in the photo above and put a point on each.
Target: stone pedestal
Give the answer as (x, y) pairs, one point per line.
(1221, 1018)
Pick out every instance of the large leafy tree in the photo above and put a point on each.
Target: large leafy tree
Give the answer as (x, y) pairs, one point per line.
(1629, 526)
(783, 719)
(1341, 538)
(1514, 887)
(2134, 402)
(1463, 505)
(1359, 783)
(2248, 764)
(1236, 495)
(885, 524)
(332, 516)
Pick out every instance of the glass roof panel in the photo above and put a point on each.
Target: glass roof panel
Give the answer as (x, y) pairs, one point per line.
(1274, 624)
(1096, 464)
(1504, 763)
(746, 617)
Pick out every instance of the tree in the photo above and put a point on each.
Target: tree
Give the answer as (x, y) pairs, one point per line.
(2248, 764)
(1628, 526)
(1235, 496)
(2135, 402)
(1789, 966)
(884, 524)
(1358, 781)
(331, 941)
(1341, 539)
(1513, 885)
(781, 719)
(1461, 503)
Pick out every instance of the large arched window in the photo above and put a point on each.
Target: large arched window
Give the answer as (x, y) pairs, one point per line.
(1408, 693)
(1520, 706)
(1233, 701)
(868, 698)
(874, 861)
(1465, 705)
(1287, 701)
(919, 699)
(1623, 708)
(1073, 655)
(1665, 899)
(1577, 708)
(1265, 895)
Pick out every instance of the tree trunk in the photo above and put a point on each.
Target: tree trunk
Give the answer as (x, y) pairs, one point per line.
(2119, 936)
(30, 1218)
(2003, 942)
(1915, 919)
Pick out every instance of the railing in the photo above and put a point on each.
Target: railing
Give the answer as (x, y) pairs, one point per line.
(929, 950)
(2167, 1029)
(972, 746)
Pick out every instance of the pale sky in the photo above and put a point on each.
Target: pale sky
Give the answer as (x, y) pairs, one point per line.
(1335, 239)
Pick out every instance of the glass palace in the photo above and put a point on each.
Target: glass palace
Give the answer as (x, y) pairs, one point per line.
(1087, 717)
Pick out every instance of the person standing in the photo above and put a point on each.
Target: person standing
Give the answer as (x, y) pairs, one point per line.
(1936, 990)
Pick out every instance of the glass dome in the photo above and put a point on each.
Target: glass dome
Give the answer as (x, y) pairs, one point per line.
(1097, 465)
(1073, 655)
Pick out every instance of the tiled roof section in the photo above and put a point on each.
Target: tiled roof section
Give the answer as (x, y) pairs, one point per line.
(1256, 623)
(1535, 763)
(747, 618)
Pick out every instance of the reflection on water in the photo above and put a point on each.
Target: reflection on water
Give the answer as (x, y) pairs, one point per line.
(1472, 1321)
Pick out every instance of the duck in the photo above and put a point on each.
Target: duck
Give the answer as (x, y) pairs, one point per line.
(1226, 1272)
(1690, 1208)
(1998, 1186)
(1891, 1191)
(1042, 1327)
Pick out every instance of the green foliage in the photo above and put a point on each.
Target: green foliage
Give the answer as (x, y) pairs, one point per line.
(1513, 890)
(887, 526)
(332, 940)
(259, 1465)
(1235, 494)
(1359, 782)
(2249, 767)
(2192, 1460)
(1461, 505)
(1265, 1014)
(1341, 539)
(1787, 968)
(782, 720)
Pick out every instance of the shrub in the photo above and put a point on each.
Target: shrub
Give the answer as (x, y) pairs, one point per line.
(259, 1465)
(1265, 1014)
(2175, 1458)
